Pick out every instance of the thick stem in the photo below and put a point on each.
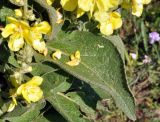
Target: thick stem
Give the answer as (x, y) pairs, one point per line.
(51, 14)
(25, 9)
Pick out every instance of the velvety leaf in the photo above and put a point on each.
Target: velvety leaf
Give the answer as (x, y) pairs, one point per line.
(117, 42)
(4, 12)
(56, 82)
(24, 114)
(101, 65)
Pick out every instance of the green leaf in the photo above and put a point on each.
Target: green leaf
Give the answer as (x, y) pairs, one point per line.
(4, 12)
(101, 65)
(49, 115)
(24, 114)
(117, 42)
(144, 36)
(12, 60)
(56, 82)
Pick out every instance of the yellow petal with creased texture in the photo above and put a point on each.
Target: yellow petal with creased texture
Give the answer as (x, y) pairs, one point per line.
(8, 30)
(106, 28)
(101, 16)
(85, 5)
(39, 46)
(80, 12)
(16, 42)
(36, 80)
(69, 5)
(74, 62)
(42, 27)
(116, 20)
(57, 54)
(32, 93)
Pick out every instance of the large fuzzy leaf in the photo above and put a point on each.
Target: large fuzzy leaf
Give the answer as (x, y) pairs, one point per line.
(101, 65)
(56, 82)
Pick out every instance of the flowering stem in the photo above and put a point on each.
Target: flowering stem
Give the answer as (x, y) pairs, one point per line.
(52, 16)
(25, 8)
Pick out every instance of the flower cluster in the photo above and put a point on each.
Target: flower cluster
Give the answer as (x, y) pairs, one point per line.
(30, 91)
(104, 11)
(19, 32)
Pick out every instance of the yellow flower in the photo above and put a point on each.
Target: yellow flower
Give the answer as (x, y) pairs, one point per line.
(69, 5)
(31, 91)
(18, 12)
(33, 36)
(57, 54)
(137, 6)
(108, 21)
(19, 31)
(89, 5)
(101, 9)
(75, 59)
(16, 32)
(40, 46)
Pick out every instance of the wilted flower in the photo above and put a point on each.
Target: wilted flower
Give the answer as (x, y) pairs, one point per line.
(153, 37)
(57, 54)
(75, 59)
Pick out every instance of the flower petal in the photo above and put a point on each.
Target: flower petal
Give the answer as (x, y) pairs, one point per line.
(19, 89)
(11, 107)
(57, 54)
(106, 28)
(39, 46)
(8, 30)
(74, 62)
(69, 5)
(85, 5)
(42, 27)
(36, 80)
(32, 93)
(116, 20)
(80, 12)
(16, 42)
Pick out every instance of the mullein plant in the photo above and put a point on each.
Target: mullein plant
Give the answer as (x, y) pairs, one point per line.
(104, 11)
(26, 36)
(19, 33)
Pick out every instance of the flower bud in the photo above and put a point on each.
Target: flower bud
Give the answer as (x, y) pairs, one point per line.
(16, 79)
